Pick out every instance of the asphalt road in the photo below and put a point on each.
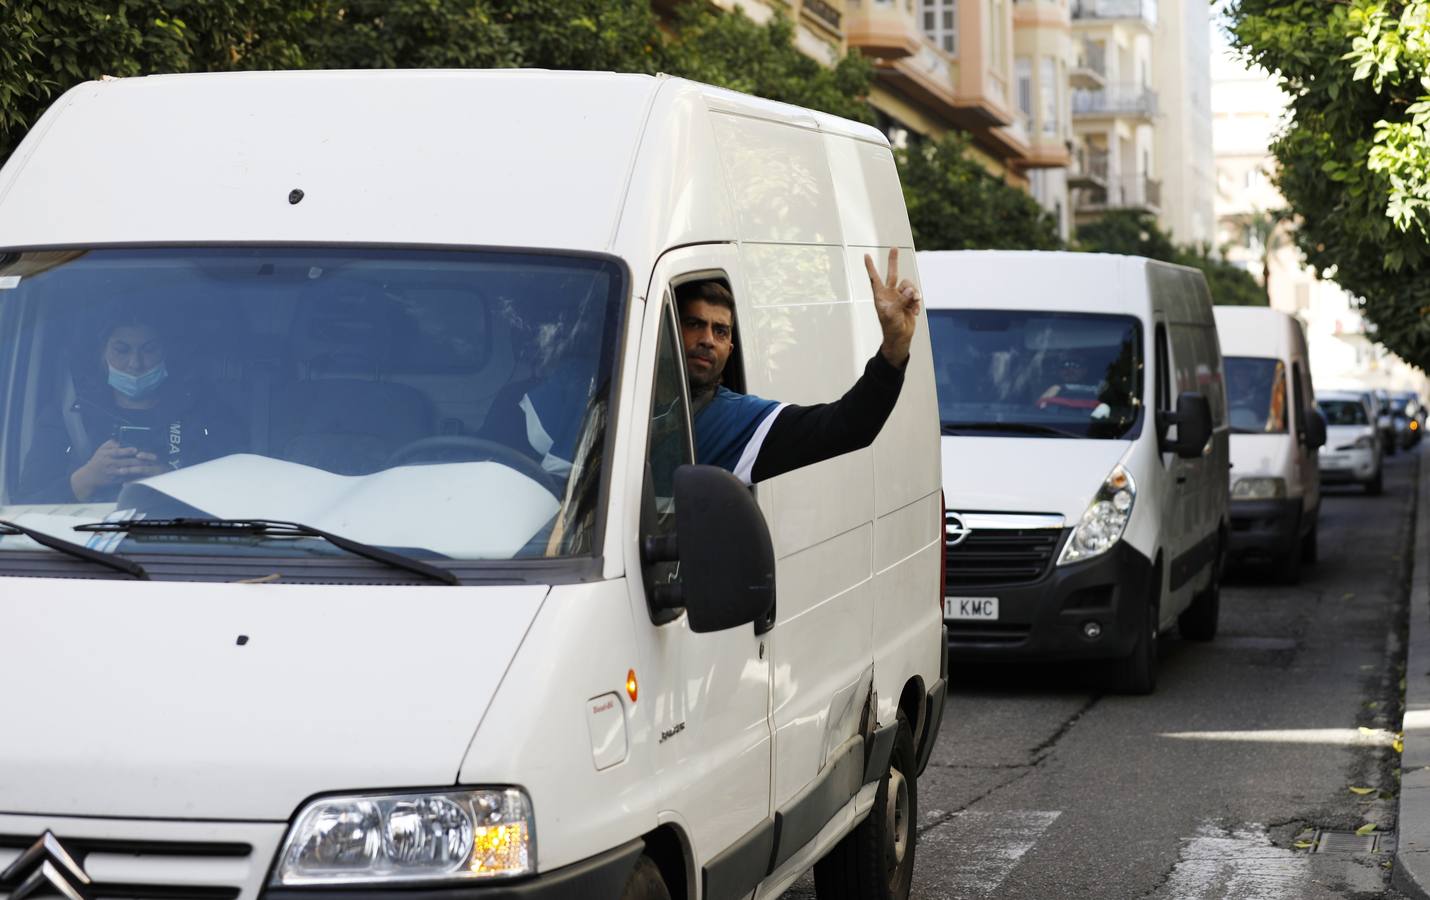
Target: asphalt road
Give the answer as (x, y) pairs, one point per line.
(1233, 780)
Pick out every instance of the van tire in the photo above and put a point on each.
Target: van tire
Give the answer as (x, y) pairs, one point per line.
(1198, 622)
(1310, 552)
(866, 864)
(1376, 484)
(645, 882)
(1136, 673)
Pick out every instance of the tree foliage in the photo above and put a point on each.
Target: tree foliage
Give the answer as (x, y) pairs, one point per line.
(1137, 234)
(954, 204)
(1355, 156)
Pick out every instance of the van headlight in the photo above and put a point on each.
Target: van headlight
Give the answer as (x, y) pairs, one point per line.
(386, 838)
(1259, 489)
(1105, 519)
(1364, 442)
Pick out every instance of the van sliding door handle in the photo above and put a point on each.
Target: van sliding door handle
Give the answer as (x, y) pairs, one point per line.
(1181, 479)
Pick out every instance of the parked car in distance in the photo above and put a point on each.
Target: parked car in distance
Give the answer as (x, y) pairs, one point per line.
(1275, 435)
(1385, 421)
(1085, 455)
(1352, 454)
(1409, 415)
(527, 648)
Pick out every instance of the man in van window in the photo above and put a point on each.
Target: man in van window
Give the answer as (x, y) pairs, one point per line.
(757, 438)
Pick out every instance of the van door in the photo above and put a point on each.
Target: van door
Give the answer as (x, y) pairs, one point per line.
(1307, 457)
(709, 692)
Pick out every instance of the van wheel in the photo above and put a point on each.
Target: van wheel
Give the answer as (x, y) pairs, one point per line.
(1136, 673)
(1199, 621)
(645, 882)
(1309, 551)
(1376, 484)
(875, 861)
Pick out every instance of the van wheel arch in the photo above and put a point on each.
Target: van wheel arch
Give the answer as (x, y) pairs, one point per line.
(912, 705)
(669, 848)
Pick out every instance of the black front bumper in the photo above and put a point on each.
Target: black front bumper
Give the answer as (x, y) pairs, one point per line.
(596, 878)
(1045, 619)
(1264, 528)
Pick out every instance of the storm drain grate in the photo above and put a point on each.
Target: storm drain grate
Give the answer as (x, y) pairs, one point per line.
(1328, 841)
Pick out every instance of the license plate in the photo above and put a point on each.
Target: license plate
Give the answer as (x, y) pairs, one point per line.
(970, 608)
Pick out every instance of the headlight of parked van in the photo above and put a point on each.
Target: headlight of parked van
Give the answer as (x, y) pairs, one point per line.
(1364, 442)
(1259, 489)
(385, 838)
(1105, 520)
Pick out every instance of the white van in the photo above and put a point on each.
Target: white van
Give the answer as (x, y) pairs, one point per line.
(334, 631)
(1275, 435)
(1084, 455)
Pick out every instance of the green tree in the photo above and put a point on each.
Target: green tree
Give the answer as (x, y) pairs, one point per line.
(1355, 157)
(1137, 234)
(954, 204)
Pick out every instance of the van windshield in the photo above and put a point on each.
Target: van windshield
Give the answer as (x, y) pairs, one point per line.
(1343, 412)
(442, 404)
(1047, 374)
(1256, 395)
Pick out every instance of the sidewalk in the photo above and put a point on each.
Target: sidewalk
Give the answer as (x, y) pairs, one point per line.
(1412, 856)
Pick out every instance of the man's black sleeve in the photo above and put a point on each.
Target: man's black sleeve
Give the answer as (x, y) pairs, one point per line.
(802, 435)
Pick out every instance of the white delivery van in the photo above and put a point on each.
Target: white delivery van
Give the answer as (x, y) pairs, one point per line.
(1084, 455)
(331, 634)
(1275, 435)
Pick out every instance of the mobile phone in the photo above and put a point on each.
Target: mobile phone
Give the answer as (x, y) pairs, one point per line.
(132, 435)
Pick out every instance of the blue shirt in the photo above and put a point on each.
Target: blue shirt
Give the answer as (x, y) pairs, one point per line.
(728, 427)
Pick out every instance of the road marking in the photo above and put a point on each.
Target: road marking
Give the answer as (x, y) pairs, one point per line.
(1343, 737)
(1241, 863)
(986, 848)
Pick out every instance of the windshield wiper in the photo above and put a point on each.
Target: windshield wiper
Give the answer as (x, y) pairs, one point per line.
(1014, 427)
(78, 551)
(275, 528)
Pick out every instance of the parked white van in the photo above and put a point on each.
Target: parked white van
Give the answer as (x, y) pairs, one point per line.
(335, 630)
(1275, 435)
(1084, 455)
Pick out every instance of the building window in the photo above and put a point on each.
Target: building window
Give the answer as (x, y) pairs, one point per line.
(1048, 94)
(941, 23)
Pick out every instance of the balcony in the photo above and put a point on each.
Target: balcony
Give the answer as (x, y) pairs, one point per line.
(1089, 73)
(1129, 100)
(1091, 170)
(882, 31)
(1143, 11)
(826, 14)
(1133, 192)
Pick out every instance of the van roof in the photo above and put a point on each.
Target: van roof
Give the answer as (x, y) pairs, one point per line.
(513, 158)
(1258, 331)
(1052, 280)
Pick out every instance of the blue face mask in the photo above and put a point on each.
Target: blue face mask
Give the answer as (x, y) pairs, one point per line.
(136, 386)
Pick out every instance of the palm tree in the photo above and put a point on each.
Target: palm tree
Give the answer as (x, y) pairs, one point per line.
(1269, 230)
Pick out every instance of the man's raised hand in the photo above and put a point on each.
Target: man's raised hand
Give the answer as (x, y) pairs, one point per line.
(897, 303)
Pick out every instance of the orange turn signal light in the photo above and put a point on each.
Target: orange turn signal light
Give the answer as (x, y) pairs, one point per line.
(632, 688)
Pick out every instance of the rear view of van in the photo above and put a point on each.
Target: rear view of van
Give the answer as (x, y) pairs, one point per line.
(1275, 433)
(1084, 456)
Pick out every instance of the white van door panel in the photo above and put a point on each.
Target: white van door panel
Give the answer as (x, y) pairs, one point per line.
(708, 693)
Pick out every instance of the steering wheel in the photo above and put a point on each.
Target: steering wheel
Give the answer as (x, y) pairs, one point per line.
(453, 447)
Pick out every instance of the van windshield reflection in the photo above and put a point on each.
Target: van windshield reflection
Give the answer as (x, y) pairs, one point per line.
(441, 404)
(1040, 374)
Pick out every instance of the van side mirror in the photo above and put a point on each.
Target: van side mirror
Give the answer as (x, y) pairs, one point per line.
(1315, 429)
(1193, 419)
(727, 560)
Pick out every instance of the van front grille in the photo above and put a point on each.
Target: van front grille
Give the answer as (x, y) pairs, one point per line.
(139, 860)
(992, 557)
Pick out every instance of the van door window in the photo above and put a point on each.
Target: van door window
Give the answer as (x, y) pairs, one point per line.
(670, 445)
(1298, 397)
(1164, 370)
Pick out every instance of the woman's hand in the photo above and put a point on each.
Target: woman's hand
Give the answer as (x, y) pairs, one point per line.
(113, 464)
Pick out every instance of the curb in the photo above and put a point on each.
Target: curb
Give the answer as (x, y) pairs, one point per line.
(1411, 872)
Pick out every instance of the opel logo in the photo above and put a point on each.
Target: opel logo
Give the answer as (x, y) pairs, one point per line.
(46, 864)
(955, 532)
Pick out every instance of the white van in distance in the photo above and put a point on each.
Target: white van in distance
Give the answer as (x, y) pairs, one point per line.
(352, 539)
(1084, 455)
(1275, 435)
